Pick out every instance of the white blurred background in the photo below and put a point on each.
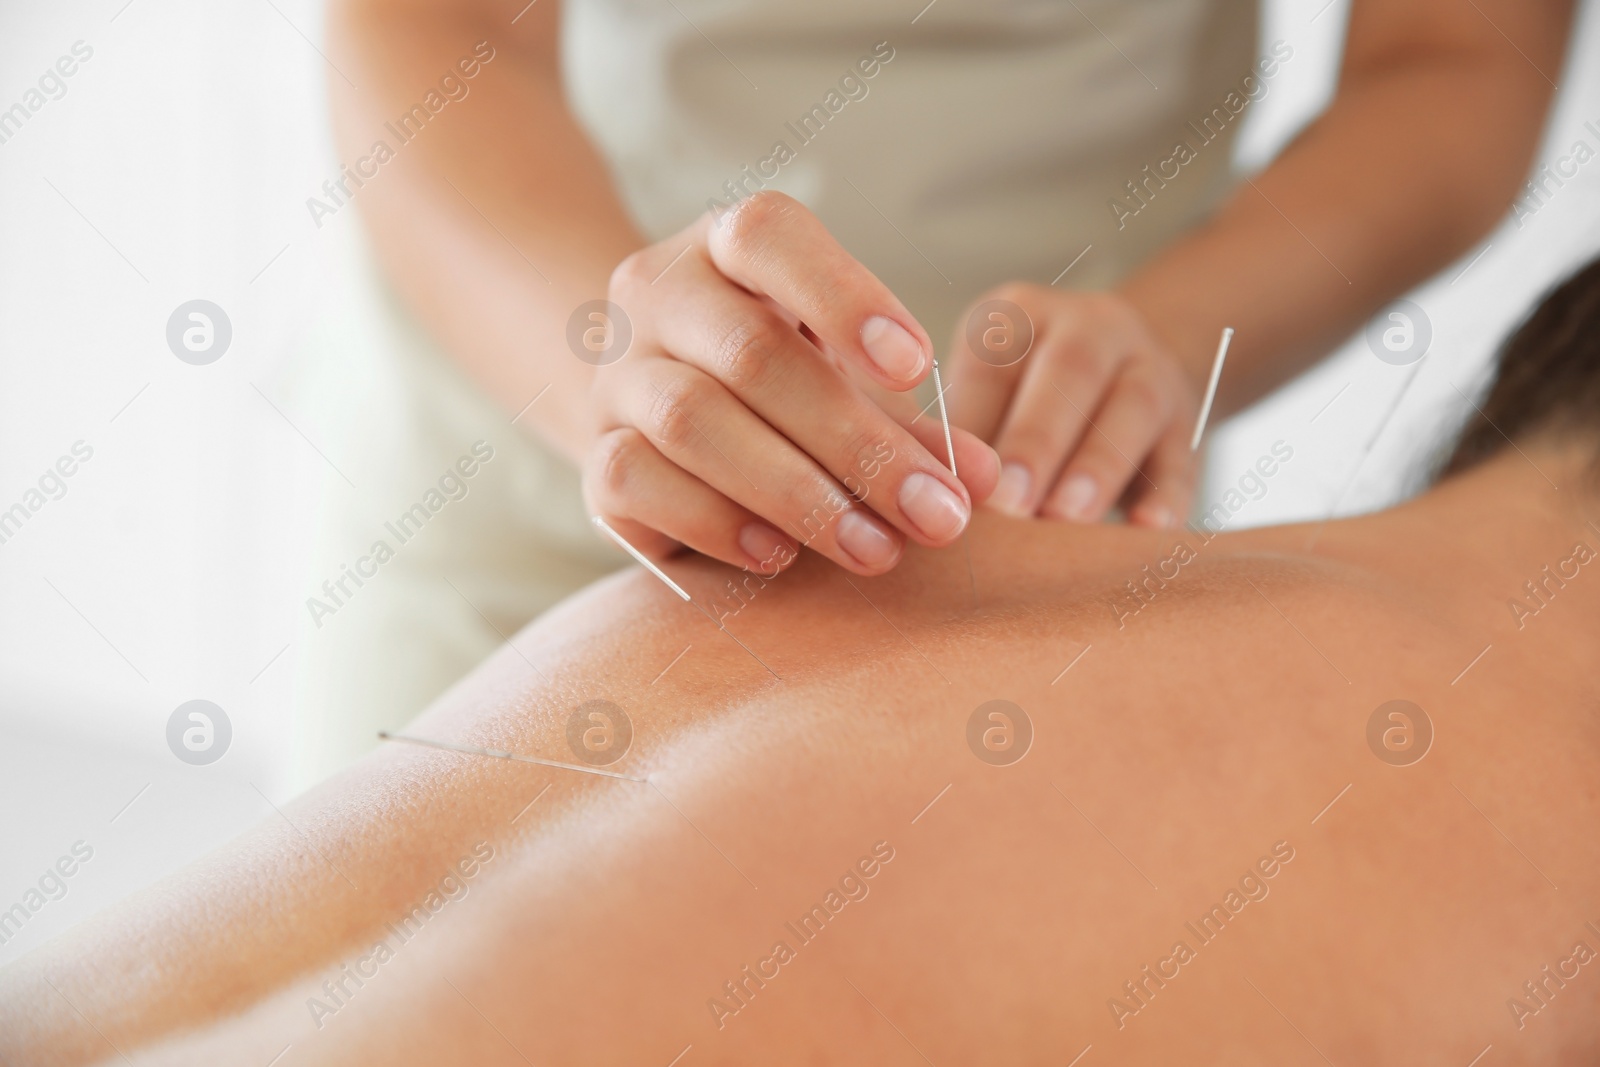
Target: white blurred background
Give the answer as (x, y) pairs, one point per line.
(176, 166)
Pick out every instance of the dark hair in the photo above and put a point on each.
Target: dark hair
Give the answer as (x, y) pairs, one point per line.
(1546, 379)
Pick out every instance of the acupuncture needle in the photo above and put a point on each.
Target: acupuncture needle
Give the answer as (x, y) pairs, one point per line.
(645, 561)
(1211, 387)
(944, 416)
(950, 450)
(496, 753)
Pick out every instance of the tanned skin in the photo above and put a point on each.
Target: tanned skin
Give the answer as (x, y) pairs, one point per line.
(1220, 730)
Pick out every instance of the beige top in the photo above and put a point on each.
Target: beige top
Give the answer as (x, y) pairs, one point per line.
(977, 142)
(980, 143)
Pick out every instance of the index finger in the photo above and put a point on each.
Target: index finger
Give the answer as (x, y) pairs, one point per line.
(773, 246)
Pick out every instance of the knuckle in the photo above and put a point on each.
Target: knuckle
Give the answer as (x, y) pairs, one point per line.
(1084, 374)
(613, 464)
(1082, 367)
(1107, 308)
(747, 354)
(1094, 364)
(811, 505)
(750, 224)
(671, 416)
(1144, 396)
(628, 275)
(1100, 303)
(834, 286)
(867, 452)
(1019, 293)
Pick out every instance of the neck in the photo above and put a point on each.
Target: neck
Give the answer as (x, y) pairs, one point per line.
(1525, 516)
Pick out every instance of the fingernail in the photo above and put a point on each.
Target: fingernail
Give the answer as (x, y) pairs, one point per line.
(894, 350)
(868, 543)
(1010, 496)
(1076, 497)
(766, 548)
(932, 507)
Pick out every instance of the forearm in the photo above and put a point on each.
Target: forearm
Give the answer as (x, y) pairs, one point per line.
(498, 219)
(1409, 167)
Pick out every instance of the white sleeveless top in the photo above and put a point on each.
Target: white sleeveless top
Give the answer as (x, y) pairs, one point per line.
(978, 142)
(982, 142)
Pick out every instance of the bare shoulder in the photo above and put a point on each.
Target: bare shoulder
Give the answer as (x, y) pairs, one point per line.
(1015, 599)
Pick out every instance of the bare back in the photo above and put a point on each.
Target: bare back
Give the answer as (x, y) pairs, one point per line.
(832, 853)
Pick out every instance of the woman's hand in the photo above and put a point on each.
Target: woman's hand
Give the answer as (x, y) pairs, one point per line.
(732, 425)
(1084, 405)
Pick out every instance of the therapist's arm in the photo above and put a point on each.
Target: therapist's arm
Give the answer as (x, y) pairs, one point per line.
(1440, 106)
(499, 218)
